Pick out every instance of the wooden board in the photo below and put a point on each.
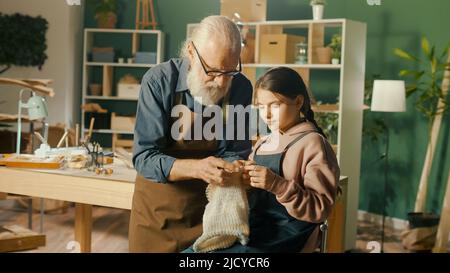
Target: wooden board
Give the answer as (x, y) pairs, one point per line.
(31, 162)
(107, 81)
(12, 118)
(17, 238)
(34, 84)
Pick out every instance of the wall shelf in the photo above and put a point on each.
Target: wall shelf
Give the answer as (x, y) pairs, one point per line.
(307, 66)
(120, 64)
(109, 131)
(108, 73)
(109, 98)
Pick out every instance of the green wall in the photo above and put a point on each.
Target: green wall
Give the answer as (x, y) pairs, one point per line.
(396, 23)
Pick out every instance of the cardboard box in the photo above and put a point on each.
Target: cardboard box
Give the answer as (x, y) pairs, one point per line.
(248, 51)
(122, 123)
(278, 48)
(128, 90)
(248, 10)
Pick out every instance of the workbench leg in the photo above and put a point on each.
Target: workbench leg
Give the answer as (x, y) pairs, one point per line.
(83, 226)
(30, 213)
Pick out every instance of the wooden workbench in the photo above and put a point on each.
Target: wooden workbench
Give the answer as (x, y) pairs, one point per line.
(79, 186)
(116, 191)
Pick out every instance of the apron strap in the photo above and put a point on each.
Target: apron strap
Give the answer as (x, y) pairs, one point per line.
(225, 104)
(290, 145)
(178, 98)
(297, 139)
(260, 144)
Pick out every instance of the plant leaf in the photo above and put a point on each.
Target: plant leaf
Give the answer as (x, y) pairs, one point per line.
(445, 51)
(404, 55)
(433, 65)
(431, 56)
(411, 90)
(426, 46)
(416, 74)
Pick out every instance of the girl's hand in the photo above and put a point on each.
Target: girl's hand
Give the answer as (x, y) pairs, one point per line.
(259, 176)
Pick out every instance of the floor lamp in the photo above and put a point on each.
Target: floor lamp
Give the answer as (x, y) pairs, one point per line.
(387, 96)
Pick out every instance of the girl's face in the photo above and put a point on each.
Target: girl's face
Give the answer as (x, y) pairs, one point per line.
(278, 114)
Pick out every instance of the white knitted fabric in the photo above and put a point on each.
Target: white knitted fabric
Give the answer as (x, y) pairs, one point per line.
(225, 219)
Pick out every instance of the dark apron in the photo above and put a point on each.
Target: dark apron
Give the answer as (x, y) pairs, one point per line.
(272, 229)
(168, 217)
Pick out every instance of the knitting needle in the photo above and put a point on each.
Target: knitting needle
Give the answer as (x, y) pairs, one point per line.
(67, 137)
(40, 137)
(64, 137)
(91, 127)
(77, 133)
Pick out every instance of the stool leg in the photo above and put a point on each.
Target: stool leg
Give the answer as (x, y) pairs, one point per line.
(323, 237)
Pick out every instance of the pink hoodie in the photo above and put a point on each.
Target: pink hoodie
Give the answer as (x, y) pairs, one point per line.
(311, 173)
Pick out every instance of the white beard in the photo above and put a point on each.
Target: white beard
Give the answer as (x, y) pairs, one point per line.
(207, 94)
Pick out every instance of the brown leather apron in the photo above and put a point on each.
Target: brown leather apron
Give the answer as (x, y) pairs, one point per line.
(168, 217)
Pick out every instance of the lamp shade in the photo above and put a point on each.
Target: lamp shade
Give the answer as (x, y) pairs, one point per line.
(388, 96)
(37, 108)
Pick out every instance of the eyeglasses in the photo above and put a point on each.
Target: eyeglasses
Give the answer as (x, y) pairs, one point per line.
(217, 73)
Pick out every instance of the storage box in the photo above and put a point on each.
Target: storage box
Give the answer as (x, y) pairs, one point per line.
(17, 238)
(278, 48)
(122, 123)
(145, 58)
(248, 10)
(128, 90)
(103, 55)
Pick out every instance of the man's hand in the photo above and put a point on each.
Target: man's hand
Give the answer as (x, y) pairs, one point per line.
(215, 170)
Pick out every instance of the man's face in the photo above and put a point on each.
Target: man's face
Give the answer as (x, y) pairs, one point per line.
(215, 56)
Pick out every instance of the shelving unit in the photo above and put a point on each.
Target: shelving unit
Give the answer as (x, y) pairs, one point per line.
(109, 131)
(349, 91)
(129, 41)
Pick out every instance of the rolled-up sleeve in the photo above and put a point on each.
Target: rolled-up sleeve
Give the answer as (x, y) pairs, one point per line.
(150, 133)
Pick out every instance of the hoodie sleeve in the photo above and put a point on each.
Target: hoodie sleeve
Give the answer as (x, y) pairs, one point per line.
(311, 196)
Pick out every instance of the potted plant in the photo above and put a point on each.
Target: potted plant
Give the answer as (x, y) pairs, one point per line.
(431, 103)
(335, 45)
(317, 8)
(329, 123)
(105, 13)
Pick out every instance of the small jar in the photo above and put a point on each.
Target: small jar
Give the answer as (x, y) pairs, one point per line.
(301, 53)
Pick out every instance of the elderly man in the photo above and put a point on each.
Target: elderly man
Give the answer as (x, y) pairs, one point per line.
(173, 172)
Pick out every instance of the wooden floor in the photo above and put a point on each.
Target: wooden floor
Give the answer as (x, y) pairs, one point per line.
(110, 229)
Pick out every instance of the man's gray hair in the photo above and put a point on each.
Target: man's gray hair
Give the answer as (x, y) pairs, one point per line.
(220, 28)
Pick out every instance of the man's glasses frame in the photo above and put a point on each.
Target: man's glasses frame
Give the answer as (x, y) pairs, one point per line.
(217, 73)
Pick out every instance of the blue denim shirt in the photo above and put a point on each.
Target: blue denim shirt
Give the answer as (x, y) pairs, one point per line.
(152, 130)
